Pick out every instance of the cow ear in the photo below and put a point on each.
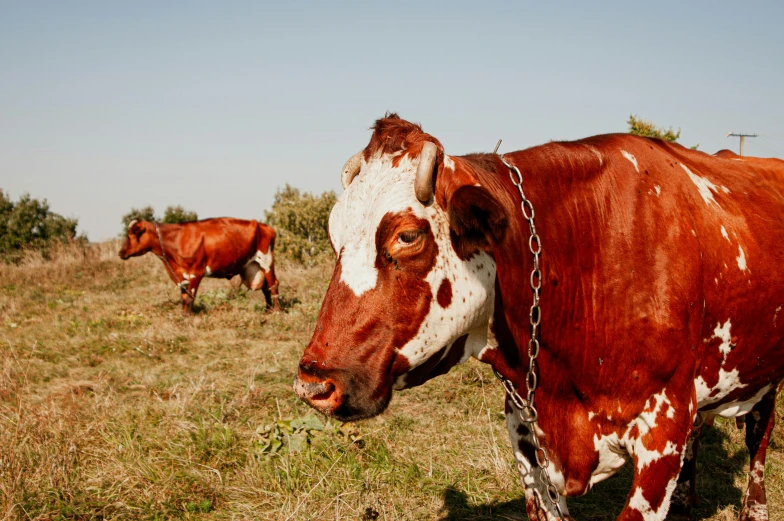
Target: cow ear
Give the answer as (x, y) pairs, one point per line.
(476, 218)
(136, 228)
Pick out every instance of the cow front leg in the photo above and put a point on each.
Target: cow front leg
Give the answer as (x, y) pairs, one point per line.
(537, 504)
(188, 294)
(657, 441)
(759, 424)
(684, 498)
(272, 283)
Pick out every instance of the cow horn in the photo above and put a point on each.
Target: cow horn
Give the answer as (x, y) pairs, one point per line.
(423, 185)
(351, 169)
(130, 224)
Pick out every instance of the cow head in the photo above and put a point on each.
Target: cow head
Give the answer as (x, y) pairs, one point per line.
(412, 292)
(140, 239)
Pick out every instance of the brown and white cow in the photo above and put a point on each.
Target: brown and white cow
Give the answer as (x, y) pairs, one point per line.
(662, 297)
(218, 248)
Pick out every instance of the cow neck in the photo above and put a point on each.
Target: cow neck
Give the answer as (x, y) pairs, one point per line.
(514, 262)
(526, 407)
(547, 180)
(165, 258)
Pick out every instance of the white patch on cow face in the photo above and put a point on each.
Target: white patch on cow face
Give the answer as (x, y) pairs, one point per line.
(705, 187)
(382, 188)
(632, 159)
(473, 294)
(741, 259)
(379, 188)
(658, 190)
(725, 234)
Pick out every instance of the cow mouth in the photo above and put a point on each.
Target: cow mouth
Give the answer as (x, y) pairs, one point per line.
(333, 400)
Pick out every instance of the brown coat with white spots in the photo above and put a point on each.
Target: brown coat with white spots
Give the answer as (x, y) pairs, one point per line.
(661, 297)
(218, 248)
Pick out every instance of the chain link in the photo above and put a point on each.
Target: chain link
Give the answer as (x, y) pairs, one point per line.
(526, 408)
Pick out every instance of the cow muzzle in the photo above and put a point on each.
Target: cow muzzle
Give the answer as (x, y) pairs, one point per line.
(340, 394)
(322, 395)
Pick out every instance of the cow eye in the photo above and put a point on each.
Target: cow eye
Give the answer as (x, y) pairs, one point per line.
(408, 237)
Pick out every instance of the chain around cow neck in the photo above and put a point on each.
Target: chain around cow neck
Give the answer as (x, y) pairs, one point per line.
(525, 407)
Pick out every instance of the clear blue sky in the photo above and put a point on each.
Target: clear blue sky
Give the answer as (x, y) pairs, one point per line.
(214, 105)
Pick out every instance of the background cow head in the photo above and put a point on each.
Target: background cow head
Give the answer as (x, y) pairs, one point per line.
(140, 239)
(413, 288)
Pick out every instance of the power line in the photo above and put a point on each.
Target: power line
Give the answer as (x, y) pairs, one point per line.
(771, 146)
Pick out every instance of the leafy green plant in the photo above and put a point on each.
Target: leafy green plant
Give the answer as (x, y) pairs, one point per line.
(172, 215)
(302, 222)
(642, 127)
(146, 213)
(295, 435)
(178, 214)
(30, 224)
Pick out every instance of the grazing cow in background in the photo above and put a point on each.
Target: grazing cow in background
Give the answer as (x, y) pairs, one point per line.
(218, 248)
(661, 289)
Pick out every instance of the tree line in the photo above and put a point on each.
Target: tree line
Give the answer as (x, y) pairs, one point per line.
(300, 218)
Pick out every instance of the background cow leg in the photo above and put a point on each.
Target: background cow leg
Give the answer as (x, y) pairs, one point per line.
(272, 285)
(537, 504)
(267, 295)
(759, 424)
(187, 300)
(684, 498)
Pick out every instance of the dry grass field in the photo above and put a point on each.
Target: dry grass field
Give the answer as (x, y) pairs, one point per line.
(114, 406)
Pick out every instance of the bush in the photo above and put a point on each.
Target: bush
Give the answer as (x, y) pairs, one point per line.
(301, 220)
(137, 214)
(172, 215)
(178, 214)
(645, 128)
(28, 224)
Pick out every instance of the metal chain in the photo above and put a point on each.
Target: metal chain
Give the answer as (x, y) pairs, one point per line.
(526, 408)
(165, 260)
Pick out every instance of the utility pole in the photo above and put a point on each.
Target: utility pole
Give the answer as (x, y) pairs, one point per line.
(742, 137)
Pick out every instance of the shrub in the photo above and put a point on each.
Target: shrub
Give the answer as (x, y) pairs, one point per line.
(301, 220)
(172, 215)
(137, 214)
(29, 224)
(645, 128)
(178, 214)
